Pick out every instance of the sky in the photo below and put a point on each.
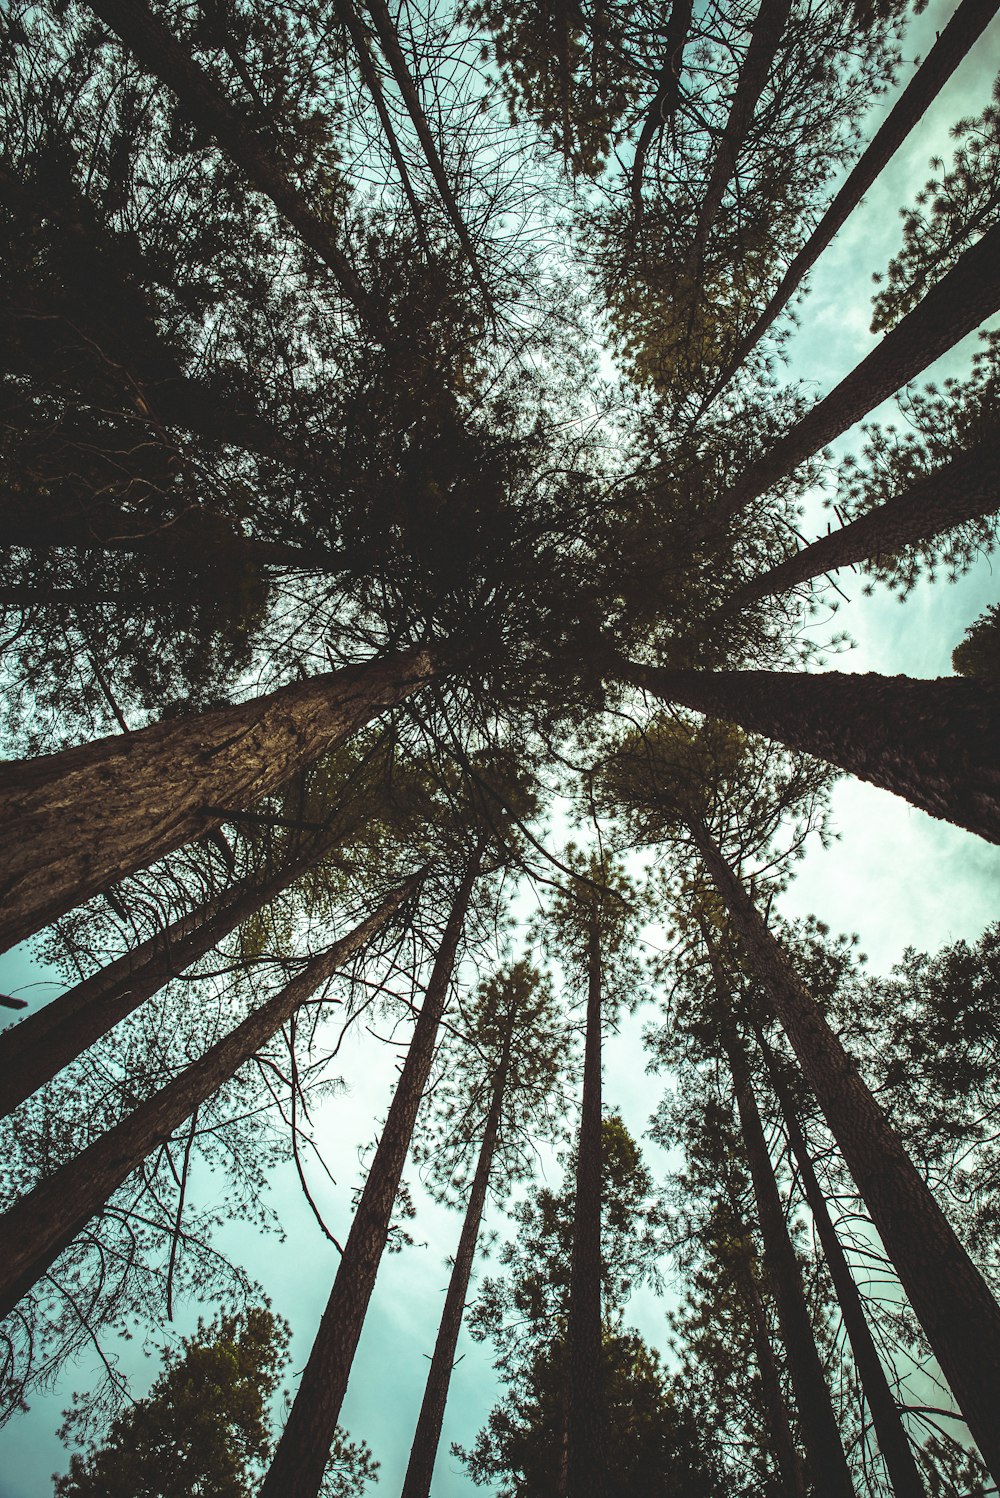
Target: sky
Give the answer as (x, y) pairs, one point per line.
(895, 876)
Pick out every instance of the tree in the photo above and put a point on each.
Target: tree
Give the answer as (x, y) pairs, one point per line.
(977, 655)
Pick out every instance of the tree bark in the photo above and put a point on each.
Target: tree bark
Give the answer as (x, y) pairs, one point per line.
(665, 104)
(934, 742)
(423, 1453)
(296, 1470)
(586, 1458)
(967, 488)
(34, 1232)
(896, 1451)
(949, 1296)
(78, 821)
(965, 27)
(954, 306)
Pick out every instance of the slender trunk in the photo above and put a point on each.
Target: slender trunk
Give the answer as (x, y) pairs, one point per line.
(668, 95)
(892, 1440)
(34, 1232)
(585, 1405)
(965, 489)
(34, 1051)
(78, 821)
(159, 51)
(300, 1457)
(764, 40)
(828, 1469)
(965, 27)
(949, 1297)
(936, 743)
(959, 302)
(423, 1453)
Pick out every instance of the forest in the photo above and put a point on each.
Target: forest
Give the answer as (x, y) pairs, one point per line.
(497, 619)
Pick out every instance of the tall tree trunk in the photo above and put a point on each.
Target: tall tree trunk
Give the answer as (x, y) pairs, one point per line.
(827, 1464)
(892, 1440)
(78, 821)
(951, 1300)
(965, 27)
(34, 1051)
(34, 1232)
(936, 742)
(296, 1470)
(667, 99)
(959, 302)
(423, 1453)
(965, 489)
(586, 1455)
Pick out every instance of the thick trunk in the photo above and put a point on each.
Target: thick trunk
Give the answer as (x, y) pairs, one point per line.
(159, 51)
(300, 1458)
(965, 27)
(825, 1458)
(954, 306)
(965, 489)
(78, 821)
(892, 1441)
(37, 1228)
(665, 104)
(423, 1453)
(951, 1300)
(585, 1404)
(936, 743)
(34, 1051)
(786, 1457)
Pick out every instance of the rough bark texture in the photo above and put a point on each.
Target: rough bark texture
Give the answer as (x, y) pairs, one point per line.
(936, 742)
(965, 489)
(827, 1464)
(965, 27)
(891, 1437)
(34, 1051)
(668, 95)
(37, 1228)
(949, 1296)
(585, 1404)
(299, 1460)
(423, 1453)
(78, 821)
(959, 302)
(787, 1459)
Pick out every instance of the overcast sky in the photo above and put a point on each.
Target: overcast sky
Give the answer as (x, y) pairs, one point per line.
(896, 876)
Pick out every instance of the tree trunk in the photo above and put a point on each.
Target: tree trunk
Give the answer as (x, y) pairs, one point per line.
(948, 1294)
(423, 1453)
(78, 821)
(300, 1457)
(34, 1232)
(585, 1405)
(827, 1464)
(664, 106)
(34, 1051)
(965, 27)
(965, 489)
(936, 743)
(959, 302)
(892, 1440)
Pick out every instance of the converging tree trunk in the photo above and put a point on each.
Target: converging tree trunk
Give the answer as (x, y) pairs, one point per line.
(76, 822)
(936, 743)
(296, 1470)
(34, 1232)
(949, 1296)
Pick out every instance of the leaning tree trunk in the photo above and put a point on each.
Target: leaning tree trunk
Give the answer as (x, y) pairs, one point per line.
(76, 822)
(34, 1051)
(949, 1296)
(965, 489)
(586, 1475)
(296, 1470)
(897, 1453)
(827, 1464)
(959, 302)
(965, 27)
(34, 1232)
(934, 742)
(667, 99)
(423, 1453)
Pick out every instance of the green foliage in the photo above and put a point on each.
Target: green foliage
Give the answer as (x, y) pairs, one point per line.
(978, 655)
